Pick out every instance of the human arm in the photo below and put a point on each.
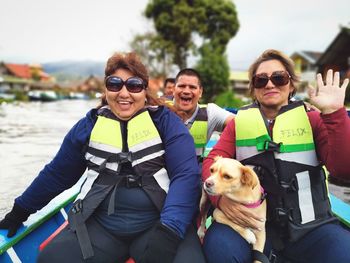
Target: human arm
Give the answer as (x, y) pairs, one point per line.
(218, 118)
(181, 202)
(331, 128)
(239, 214)
(331, 136)
(181, 163)
(60, 174)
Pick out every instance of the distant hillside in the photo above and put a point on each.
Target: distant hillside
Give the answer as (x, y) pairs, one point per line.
(70, 70)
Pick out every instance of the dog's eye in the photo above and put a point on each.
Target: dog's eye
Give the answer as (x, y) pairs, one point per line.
(226, 176)
(211, 169)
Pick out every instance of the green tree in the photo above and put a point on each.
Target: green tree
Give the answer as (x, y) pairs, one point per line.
(228, 99)
(214, 70)
(180, 22)
(154, 53)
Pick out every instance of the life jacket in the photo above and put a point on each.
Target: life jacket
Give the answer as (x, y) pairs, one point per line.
(286, 163)
(105, 154)
(199, 130)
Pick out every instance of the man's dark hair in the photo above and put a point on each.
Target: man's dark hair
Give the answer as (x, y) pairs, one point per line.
(171, 80)
(189, 72)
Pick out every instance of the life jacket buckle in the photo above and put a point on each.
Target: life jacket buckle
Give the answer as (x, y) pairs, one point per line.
(272, 257)
(272, 146)
(124, 157)
(281, 215)
(78, 206)
(132, 181)
(291, 186)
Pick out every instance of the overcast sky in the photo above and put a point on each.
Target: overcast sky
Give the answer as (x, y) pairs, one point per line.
(41, 31)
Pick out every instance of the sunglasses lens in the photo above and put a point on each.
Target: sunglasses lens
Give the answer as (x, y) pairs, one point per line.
(280, 78)
(114, 83)
(134, 85)
(260, 81)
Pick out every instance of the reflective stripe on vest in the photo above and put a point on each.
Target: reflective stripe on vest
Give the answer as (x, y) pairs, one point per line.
(292, 132)
(109, 142)
(142, 135)
(199, 130)
(144, 144)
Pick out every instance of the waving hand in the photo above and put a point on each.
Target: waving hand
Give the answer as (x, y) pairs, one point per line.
(329, 96)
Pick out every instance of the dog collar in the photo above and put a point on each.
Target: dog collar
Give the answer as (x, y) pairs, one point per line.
(257, 203)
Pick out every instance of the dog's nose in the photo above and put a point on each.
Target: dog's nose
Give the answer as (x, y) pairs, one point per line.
(208, 183)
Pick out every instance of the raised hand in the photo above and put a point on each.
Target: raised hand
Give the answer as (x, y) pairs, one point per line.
(329, 96)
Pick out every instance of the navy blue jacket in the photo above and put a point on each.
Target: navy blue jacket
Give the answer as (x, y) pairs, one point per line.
(69, 164)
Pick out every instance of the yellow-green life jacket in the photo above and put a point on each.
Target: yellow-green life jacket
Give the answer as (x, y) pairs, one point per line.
(287, 165)
(199, 130)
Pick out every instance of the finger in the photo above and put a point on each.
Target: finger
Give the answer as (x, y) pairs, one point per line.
(329, 78)
(319, 80)
(345, 84)
(311, 91)
(336, 80)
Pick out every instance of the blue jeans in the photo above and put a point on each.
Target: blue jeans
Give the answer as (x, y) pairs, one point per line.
(327, 244)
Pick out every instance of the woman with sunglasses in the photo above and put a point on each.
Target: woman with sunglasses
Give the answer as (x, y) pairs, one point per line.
(287, 145)
(142, 186)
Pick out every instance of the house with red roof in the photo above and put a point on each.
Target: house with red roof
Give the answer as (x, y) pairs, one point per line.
(24, 77)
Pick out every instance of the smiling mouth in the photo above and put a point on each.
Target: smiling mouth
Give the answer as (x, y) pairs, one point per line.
(124, 102)
(186, 100)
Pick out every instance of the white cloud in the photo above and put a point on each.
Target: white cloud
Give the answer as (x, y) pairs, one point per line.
(48, 30)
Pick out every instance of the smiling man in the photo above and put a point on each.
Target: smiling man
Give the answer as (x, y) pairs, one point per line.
(201, 120)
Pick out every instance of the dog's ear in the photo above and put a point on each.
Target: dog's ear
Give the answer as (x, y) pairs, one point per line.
(248, 178)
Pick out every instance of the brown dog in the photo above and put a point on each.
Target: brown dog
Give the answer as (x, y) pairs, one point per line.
(240, 184)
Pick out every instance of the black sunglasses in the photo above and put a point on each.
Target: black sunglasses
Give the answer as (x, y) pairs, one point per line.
(278, 78)
(132, 84)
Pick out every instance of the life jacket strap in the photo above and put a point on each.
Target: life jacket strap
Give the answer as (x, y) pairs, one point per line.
(80, 227)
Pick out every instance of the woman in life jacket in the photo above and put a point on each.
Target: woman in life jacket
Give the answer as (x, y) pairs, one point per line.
(141, 190)
(287, 144)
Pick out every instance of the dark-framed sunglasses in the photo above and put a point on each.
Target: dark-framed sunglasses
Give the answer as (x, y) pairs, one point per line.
(132, 84)
(278, 78)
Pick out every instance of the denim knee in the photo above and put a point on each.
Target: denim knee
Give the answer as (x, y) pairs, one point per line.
(222, 244)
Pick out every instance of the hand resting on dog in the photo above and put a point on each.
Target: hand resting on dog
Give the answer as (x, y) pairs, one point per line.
(240, 215)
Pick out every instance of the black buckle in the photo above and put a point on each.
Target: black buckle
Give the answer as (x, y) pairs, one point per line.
(272, 257)
(291, 186)
(77, 206)
(132, 181)
(281, 215)
(271, 146)
(124, 157)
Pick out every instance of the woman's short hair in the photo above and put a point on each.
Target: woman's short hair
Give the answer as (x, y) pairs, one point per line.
(272, 54)
(129, 61)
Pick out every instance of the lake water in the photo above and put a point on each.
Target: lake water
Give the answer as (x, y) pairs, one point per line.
(30, 136)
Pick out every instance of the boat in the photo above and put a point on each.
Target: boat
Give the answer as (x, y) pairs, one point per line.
(42, 226)
(42, 95)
